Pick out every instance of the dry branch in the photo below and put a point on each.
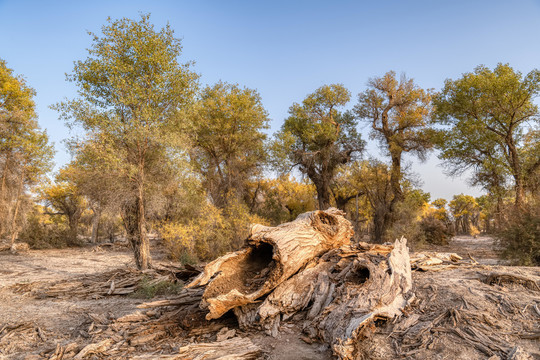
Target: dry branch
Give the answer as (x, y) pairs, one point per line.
(236, 348)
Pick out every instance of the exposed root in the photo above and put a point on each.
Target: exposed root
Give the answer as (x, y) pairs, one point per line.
(507, 278)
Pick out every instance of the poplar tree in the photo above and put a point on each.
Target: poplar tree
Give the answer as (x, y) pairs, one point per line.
(227, 139)
(25, 152)
(318, 138)
(398, 111)
(132, 89)
(487, 113)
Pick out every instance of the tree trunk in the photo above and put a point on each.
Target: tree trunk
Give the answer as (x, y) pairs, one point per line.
(368, 290)
(95, 223)
(14, 230)
(4, 175)
(338, 296)
(379, 225)
(142, 255)
(3, 199)
(271, 256)
(499, 213)
(306, 269)
(516, 170)
(395, 179)
(73, 222)
(135, 230)
(237, 348)
(519, 190)
(323, 194)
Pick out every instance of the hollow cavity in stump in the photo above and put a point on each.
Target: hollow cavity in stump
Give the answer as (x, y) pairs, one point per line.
(271, 256)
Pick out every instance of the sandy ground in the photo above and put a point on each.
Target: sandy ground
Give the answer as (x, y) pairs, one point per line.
(58, 318)
(62, 320)
(483, 248)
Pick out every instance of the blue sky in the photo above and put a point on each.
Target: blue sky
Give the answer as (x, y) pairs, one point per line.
(284, 49)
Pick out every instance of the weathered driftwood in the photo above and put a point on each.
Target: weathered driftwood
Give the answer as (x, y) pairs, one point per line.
(341, 293)
(499, 278)
(121, 281)
(15, 248)
(186, 297)
(271, 256)
(237, 348)
(372, 288)
(308, 269)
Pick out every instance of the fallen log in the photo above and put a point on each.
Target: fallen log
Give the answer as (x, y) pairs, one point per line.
(271, 256)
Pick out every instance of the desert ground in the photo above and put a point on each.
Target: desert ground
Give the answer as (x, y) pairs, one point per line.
(56, 302)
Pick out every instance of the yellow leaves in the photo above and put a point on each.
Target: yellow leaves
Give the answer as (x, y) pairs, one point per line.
(63, 197)
(15, 95)
(463, 205)
(398, 110)
(283, 199)
(210, 233)
(429, 210)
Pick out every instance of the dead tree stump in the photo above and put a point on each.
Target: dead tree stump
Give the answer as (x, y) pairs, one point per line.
(271, 256)
(307, 269)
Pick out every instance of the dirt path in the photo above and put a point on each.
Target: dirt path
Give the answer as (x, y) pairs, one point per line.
(58, 264)
(483, 248)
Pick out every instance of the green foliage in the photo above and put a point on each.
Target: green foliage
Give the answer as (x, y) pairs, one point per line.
(318, 138)
(439, 203)
(42, 231)
(520, 237)
(149, 288)
(372, 178)
(25, 152)
(466, 214)
(133, 93)
(283, 199)
(531, 150)
(399, 114)
(62, 199)
(487, 111)
(435, 231)
(225, 129)
(15, 95)
(407, 217)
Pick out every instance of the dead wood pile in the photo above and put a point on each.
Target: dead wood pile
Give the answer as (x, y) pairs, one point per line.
(15, 248)
(124, 281)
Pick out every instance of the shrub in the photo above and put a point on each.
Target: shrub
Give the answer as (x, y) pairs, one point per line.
(148, 288)
(435, 231)
(208, 234)
(40, 232)
(520, 236)
(407, 216)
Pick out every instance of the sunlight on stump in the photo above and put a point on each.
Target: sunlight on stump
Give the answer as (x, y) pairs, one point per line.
(271, 256)
(370, 290)
(309, 270)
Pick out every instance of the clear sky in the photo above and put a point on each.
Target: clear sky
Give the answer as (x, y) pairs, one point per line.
(284, 49)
